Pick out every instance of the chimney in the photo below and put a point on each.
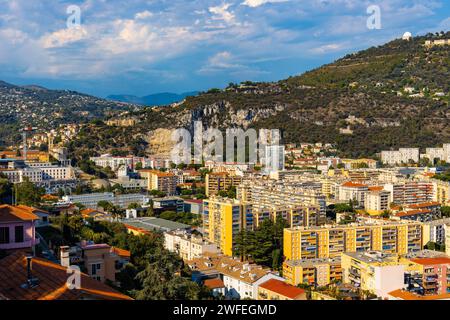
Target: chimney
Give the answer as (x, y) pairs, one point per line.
(64, 254)
(31, 282)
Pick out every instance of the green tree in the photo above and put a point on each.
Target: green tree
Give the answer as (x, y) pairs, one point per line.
(28, 193)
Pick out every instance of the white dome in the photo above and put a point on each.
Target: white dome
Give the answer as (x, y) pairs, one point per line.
(407, 36)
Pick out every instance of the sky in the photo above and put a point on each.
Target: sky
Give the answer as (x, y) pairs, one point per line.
(140, 47)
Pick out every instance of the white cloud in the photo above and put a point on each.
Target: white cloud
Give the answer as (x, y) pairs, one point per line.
(222, 13)
(63, 37)
(257, 3)
(143, 15)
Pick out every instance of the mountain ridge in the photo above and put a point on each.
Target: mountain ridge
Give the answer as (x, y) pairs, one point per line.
(156, 99)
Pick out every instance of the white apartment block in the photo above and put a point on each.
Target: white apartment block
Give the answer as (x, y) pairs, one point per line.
(434, 231)
(187, 245)
(442, 154)
(403, 155)
(352, 191)
(91, 200)
(411, 192)
(377, 201)
(106, 160)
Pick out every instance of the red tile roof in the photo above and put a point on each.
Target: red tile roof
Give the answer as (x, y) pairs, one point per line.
(353, 184)
(215, 283)
(424, 205)
(412, 213)
(121, 252)
(10, 213)
(282, 288)
(406, 295)
(52, 282)
(431, 261)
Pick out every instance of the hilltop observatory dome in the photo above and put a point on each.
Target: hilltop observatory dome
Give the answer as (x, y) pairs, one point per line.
(407, 36)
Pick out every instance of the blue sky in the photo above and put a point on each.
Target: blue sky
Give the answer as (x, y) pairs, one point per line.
(146, 46)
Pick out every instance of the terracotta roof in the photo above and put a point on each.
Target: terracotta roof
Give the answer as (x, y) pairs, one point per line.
(121, 252)
(10, 213)
(353, 184)
(431, 261)
(88, 212)
(31, 209)
(282, 288)
(412, 213)
(158, 173)
(52, 282)
(406, 295)
(234, 268)
(215, 283)
(376, 188)
(424, 205)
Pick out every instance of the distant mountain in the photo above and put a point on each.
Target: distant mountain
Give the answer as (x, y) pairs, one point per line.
(390, 96)
(157, 99)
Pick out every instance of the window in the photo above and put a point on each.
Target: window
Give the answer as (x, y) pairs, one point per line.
(94, 269)
(4, 235)
(18, 231)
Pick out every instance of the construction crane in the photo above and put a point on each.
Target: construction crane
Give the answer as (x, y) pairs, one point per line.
(25, 132)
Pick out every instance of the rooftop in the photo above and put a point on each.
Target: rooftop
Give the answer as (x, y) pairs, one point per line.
(282, 288)
(214, 283)
(406, 295)
(19, 213)
(52, 282)
(431, 261)
(152, 224)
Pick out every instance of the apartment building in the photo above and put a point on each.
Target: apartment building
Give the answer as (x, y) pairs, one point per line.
(220, 181)
(409, 192)
(442, 194)
(223, 219)
(188, 245)
(442, 154)
(359, 163)
(434, 231)
(373, 271)
(91, 200)
(32, 155)
(331, 241)
(428, 276)
(353, 191)
(403, 155)
(38, 172)
(162, 181)
(295, 215)
(314, 272)
(377, 201)
(270, 193)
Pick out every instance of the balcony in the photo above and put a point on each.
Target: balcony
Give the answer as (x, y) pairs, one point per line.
(28, 243)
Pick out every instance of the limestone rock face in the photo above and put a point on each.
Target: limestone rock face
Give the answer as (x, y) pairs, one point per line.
(160, 142)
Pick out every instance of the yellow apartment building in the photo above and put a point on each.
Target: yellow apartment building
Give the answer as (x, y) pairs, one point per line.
(320, 272)
(442, 192)
(373, 271)
(162, 181)
(220, 181)
(223, 219)
(330, 241)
